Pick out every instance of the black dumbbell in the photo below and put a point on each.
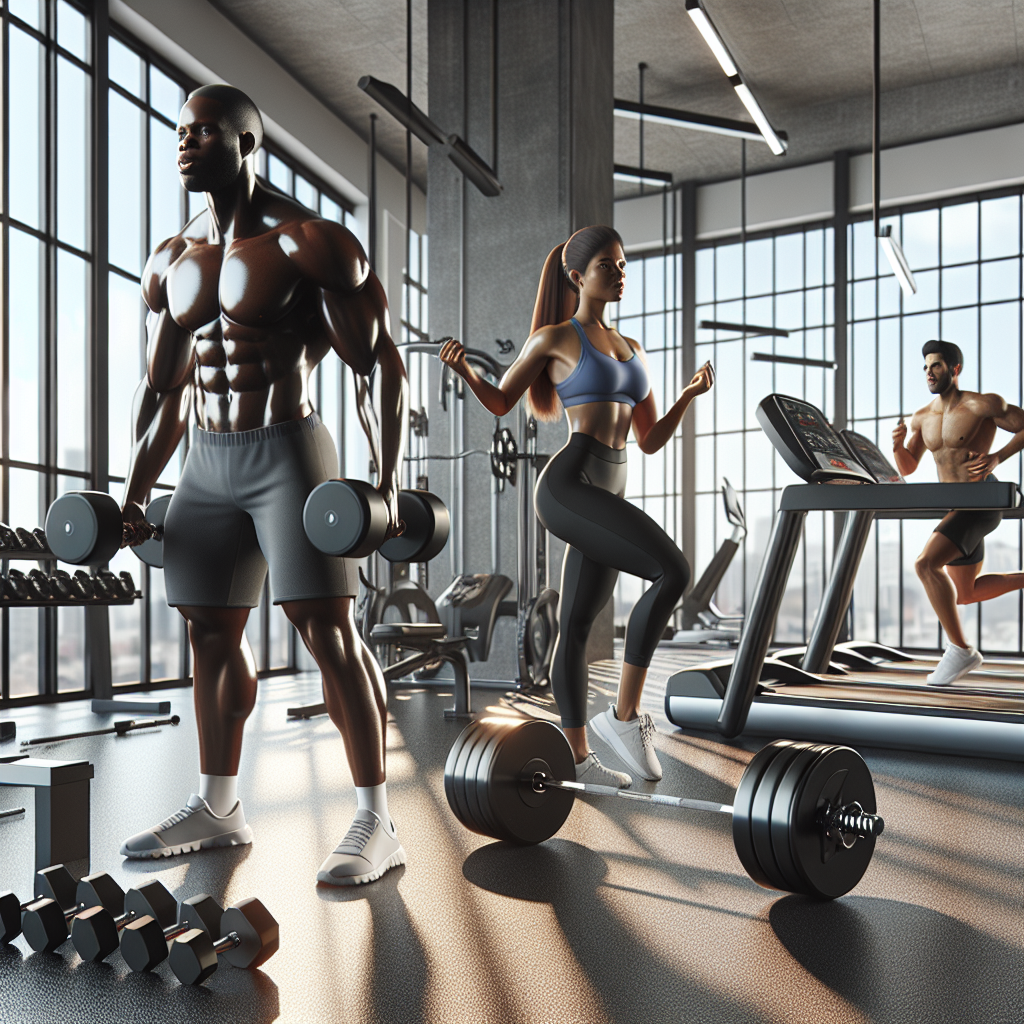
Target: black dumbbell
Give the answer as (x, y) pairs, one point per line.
(349, 518)
(47, 922)
(53, 883)
(95, 930)
(144, 941)
(249, 938)
(87, 528)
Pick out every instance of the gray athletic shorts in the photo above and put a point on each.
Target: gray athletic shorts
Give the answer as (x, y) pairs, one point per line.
(239, 506)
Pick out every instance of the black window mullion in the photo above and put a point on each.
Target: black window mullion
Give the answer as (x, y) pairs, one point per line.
(5, 412)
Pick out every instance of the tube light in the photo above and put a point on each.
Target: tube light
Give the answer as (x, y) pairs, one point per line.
(775, 143)
(711, 37)
(623, 173)
(402, 109)
(898, 262)
(688, 119)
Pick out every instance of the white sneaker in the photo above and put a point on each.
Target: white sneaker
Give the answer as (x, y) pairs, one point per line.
(591, 770)
(194, 827)
(955, 664)
(633, 741)
(366, 852)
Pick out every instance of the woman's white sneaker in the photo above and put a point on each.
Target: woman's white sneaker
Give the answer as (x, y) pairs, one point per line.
(194, 827)
(633, 741)
(955, 664)
(366, 852)
(591, 770)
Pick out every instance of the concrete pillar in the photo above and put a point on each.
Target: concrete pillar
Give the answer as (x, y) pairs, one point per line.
(528, 84)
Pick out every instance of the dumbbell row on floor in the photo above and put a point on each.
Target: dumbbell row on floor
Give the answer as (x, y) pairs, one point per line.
(341, 517)
(96, 910)
(61, 588)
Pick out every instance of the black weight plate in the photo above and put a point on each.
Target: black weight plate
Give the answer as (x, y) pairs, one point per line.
(742, 802)
(152, 551)
(480, 784)
(427, 525)
(473, 739)
(84, 527)
(781, 815)
(513, 801)
(486, 737)
(450, 767)
(839, 776)
(345, 517)
(257, 931)
(760, 815)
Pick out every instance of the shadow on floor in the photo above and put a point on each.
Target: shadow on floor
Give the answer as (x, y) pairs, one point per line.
(399, 963)
(620, 968)
(876, 953)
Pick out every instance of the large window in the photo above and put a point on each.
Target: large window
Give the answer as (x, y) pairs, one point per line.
(780, 281)
(966, 256)
(651, 313)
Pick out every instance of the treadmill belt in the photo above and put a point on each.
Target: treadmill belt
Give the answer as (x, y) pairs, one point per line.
(861, 691)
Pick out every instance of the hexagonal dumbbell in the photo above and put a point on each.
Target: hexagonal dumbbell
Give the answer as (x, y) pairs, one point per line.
(94, 931)
(144, 941)
(47, 922)
(53, 883)
(249, 938)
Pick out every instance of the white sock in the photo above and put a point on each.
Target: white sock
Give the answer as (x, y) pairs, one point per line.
(220, 792)
(375, 798)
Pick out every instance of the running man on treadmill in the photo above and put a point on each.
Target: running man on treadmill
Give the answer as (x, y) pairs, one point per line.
(958, 428)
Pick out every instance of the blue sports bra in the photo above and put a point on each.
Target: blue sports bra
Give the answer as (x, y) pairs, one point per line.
(598, 377)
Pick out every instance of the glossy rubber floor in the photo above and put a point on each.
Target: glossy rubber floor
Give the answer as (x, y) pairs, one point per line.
(629, 914)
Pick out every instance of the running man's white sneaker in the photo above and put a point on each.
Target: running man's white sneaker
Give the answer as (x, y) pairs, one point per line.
(955, 664)
(591, 770)
(194, 827)
(633, 741)
(366, 852)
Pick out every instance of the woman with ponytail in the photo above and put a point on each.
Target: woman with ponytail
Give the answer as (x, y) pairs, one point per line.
(574, 361)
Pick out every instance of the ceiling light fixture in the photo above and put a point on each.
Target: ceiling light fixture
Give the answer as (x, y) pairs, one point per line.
(776, 141)
(407, 114)
(750, 330)
(717, 44)
(688, 119)
(890, 246)
(642, 174)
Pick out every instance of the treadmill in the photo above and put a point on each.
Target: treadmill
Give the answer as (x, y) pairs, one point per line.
(853, 692)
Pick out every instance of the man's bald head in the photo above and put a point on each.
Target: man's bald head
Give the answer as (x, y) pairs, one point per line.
(238, 110)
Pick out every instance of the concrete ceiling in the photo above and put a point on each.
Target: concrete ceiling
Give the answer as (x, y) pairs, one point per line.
(947, 66)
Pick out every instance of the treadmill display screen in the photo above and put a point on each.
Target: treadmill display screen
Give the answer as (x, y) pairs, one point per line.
(807, 442)
(871, 458)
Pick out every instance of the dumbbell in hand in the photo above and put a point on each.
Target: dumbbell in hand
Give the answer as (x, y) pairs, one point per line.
(350, 518)
(88, 528)
(144, 941)
(54, 884)
(94, 931)
(249, 938)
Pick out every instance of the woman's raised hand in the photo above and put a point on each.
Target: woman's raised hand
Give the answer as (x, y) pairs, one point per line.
(453, 354)
(703, 379)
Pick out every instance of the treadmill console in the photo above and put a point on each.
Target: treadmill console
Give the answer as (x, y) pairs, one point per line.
(871, 458)
(806, 440)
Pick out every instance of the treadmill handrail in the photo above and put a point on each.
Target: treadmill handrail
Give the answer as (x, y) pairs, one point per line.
(988, 494)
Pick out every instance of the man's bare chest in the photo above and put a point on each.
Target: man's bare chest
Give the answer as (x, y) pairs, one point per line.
(957, 428)
(250, 282)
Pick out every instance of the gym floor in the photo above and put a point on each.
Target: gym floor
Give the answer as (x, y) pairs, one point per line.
(631, 913)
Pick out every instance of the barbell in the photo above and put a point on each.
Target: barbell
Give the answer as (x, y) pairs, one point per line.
(803, 815)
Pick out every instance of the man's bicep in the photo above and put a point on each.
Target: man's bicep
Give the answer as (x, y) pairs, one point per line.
(1010, 418)
(169, 352)
(358, 323)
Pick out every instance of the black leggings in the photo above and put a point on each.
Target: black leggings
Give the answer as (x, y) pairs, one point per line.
(579, 499)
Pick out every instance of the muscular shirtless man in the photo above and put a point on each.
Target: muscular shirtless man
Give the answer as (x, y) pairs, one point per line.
(958, 428)
(244, 303)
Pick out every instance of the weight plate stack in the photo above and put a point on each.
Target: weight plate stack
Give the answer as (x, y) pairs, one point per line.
(488, 779)
(824, 867)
